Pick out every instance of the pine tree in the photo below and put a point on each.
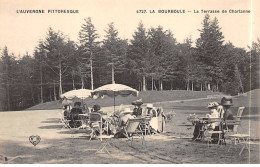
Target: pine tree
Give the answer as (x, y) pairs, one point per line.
(209, 51)
(88, 40)
(115, 50)
(163, 55)
(138, 54)
(57, 51)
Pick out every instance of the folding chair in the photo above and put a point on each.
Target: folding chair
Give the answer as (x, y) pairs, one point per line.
(104, 144)
(145, 125)
(64, 121)
(246, 144)
(96, 125)
(235, 123)
(238, 138)
(131, 128)
(219, 133)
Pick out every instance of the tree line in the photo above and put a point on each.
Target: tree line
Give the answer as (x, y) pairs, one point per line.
(151, 60)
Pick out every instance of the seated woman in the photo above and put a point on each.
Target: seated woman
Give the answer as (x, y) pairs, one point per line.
(150, 110)
(226, 113)
(85, 108)
(66, 112)
(96, 109)
(124, 116)
(153, 123)
(74, 115)
(213, 114)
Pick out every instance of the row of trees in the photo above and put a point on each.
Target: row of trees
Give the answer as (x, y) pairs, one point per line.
(151, 60)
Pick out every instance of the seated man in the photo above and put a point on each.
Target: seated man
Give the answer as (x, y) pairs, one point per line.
(138, 109)
(74, 115)
(227, 102)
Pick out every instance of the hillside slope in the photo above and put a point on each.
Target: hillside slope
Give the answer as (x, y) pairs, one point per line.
(147, 97)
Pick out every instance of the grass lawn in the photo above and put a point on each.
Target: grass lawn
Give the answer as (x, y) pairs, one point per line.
(147, 97)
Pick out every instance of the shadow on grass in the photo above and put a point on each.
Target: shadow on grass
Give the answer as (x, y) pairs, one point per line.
(51, 121)
(51, 127)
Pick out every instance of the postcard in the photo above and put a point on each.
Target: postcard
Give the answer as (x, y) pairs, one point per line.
(129, 82)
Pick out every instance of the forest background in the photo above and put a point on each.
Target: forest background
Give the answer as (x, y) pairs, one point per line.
(152, 60)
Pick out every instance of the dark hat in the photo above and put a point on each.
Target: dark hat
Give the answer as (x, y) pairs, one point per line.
(226, 101)
(77, 103)
(96, 107)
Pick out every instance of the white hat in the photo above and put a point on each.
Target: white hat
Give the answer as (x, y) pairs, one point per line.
(126, 111)
(149, 106)
(213, 104)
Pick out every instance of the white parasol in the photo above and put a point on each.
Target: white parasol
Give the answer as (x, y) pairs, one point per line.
(80, 93)
(113, 90)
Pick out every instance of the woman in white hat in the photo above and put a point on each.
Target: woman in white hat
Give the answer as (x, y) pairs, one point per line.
(124, 116)
(150, 110)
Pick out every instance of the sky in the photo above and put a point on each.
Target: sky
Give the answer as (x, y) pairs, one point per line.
(20, 32)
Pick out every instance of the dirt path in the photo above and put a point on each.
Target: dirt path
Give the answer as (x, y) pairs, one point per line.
(64, 146)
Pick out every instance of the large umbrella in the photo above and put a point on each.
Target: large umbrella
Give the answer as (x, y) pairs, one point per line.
(113, 90)
(80, 93)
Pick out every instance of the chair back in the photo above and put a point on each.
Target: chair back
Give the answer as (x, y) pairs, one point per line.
(95, 120)
(63, 117)
(221, 111)
(95, 117)
(239, 113)
(238, 119)
(133, 124)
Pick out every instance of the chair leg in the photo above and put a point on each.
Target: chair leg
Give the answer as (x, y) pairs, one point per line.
(209, 142)
(104, 147)
(244, 146)
(92, 134)
(242, 150)
(143, 141)
(232, 145)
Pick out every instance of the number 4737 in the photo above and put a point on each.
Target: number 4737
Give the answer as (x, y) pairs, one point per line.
(140, 11)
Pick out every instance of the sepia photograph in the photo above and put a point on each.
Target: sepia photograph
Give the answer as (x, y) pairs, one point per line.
(129, 82)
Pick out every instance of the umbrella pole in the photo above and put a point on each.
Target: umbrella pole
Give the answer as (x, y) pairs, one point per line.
(114, 103)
